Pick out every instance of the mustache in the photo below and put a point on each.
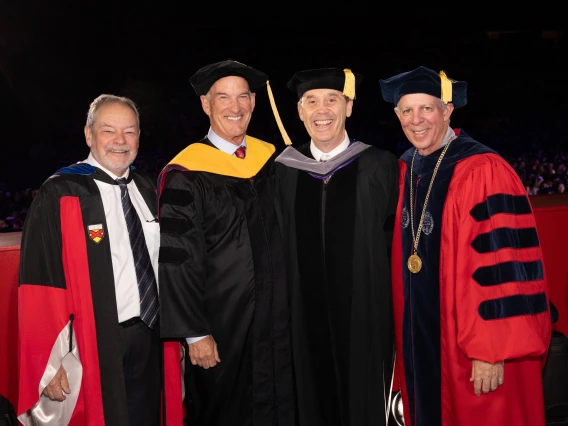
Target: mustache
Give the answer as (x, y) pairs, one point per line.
(118, 149)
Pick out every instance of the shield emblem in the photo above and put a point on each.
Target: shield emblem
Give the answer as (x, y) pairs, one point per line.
(96, 232)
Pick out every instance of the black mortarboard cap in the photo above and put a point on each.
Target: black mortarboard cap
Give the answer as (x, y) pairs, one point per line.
(203, 79)
(424, 80)
(325, 78)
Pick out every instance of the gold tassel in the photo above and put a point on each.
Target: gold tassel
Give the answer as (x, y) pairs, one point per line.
(349, 86)
(285, 136)
(446, 88)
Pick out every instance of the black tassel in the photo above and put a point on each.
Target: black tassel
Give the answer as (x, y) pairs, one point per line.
(71, 318)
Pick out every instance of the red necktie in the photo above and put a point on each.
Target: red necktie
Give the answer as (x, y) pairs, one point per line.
(241, 152)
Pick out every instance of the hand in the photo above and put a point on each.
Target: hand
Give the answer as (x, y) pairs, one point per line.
(59, 384)
(204, 353)
(486, 376)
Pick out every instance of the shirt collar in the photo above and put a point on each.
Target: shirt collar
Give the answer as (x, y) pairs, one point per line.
(450, 133)
(222, 144)
(320, 155)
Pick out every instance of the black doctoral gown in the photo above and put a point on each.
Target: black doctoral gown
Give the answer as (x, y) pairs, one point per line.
(222, 273)
(337, 221)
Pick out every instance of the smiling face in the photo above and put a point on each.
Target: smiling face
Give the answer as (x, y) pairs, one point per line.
(424, 120)
(324, 113)
(114, 137)
(229, 105)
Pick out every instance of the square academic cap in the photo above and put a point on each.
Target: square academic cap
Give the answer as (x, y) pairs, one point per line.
(424, 80)
(203, 79)
(325, 78)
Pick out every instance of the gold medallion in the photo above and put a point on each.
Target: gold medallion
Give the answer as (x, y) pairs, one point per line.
(414, 263)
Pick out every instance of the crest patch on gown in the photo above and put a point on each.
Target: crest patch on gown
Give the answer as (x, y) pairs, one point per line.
(96, 232)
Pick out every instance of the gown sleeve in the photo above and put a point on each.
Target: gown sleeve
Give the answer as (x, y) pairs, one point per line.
(45, 320)
(495, 263)
(182, 269)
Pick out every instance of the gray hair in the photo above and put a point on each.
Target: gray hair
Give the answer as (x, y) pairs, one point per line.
(109, 99)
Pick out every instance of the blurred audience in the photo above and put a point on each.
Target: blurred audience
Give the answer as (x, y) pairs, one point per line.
(14, 206)
(542, 171)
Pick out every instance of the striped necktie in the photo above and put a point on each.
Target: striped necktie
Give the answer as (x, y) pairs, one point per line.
(147, 286)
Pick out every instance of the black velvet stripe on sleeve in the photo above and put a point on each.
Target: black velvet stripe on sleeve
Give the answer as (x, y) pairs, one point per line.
(500, 203)
(513, 306)
(507, 272)
(176, 197)
(172, 255)
(505, 238)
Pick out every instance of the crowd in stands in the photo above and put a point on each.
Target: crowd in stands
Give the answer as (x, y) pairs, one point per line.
(14, 206)
(542, 173)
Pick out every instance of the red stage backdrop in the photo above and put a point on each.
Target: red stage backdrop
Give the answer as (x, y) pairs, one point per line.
(551, 213)
(9, 261)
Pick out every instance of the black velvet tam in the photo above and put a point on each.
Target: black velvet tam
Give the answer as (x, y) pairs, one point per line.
(421, 80)
(203, 79)
(320, 78)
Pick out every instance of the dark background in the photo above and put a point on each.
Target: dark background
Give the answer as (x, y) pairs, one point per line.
(56, 58)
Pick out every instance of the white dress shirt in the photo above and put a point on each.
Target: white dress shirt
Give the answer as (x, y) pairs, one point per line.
(222, 144)
(126, 285)
(324, 156)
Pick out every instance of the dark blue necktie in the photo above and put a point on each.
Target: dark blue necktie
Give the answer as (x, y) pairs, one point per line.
(147, 286)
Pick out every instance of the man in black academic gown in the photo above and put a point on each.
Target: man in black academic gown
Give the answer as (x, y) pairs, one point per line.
(221, 267)
(337, 198)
